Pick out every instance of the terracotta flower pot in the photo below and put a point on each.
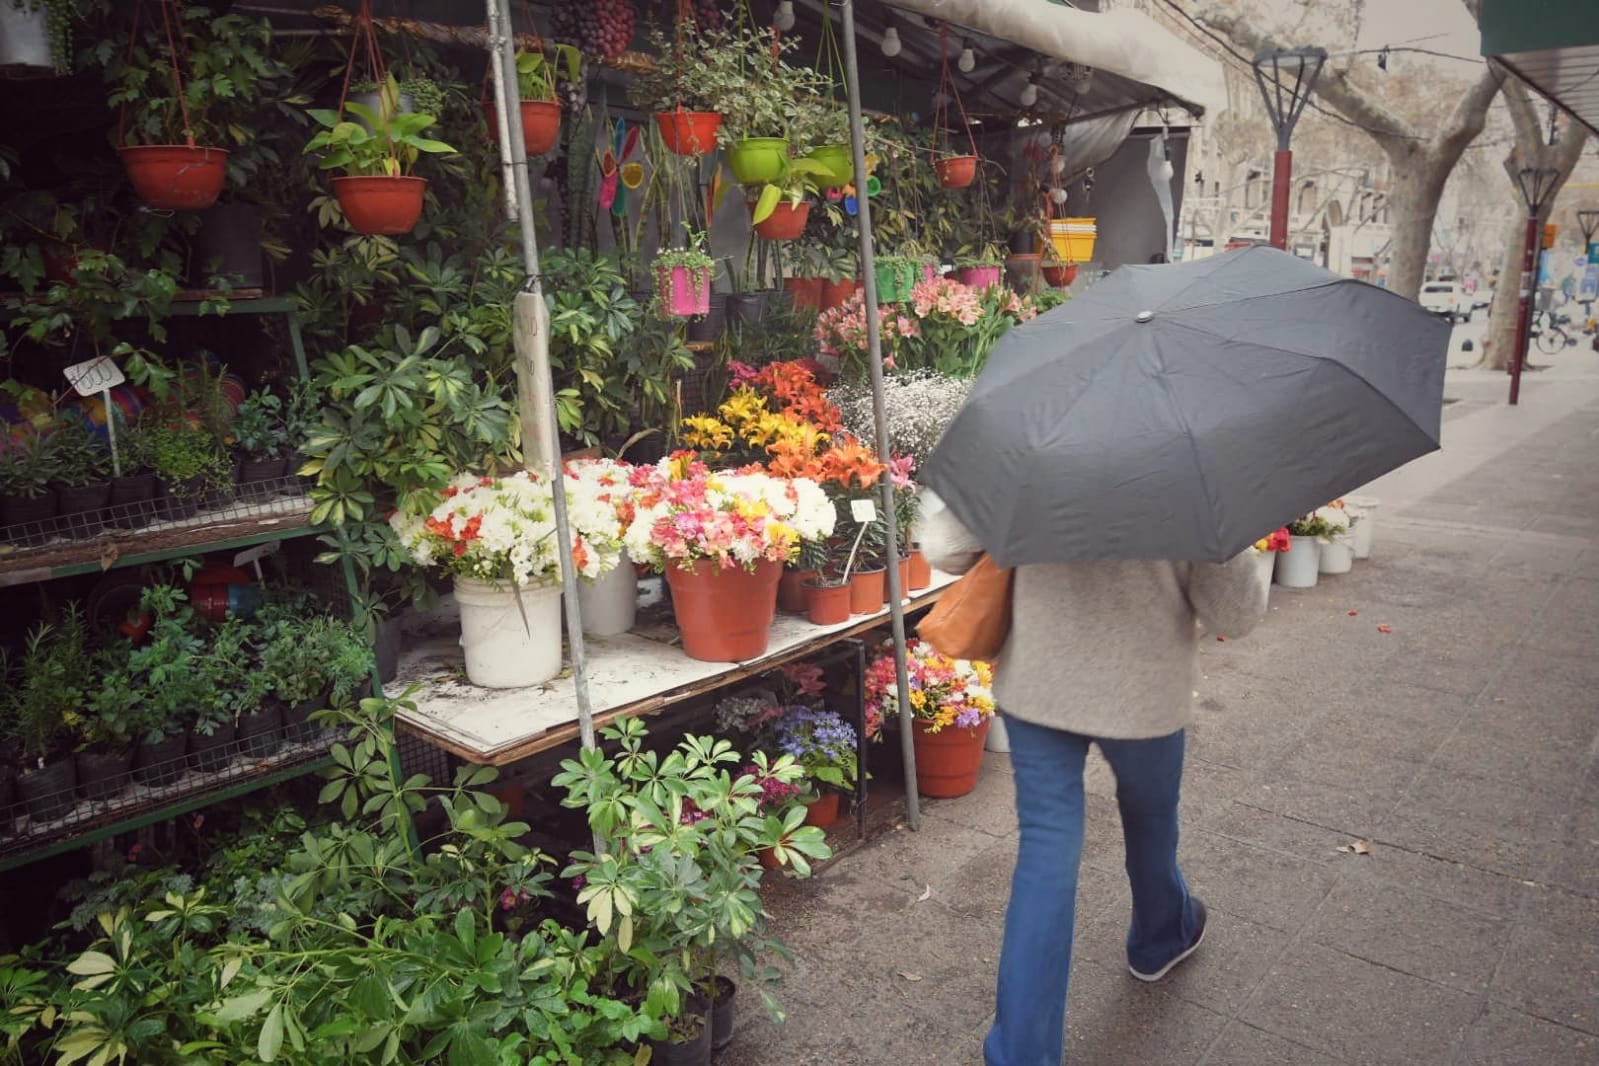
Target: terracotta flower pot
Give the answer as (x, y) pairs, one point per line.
(921, 571)
(947, 762)
(689, 132)
(837, 293)
(826, 604)
(380, 205)
(822, 812)
(175, 177)
(1060, 275)
(956, 171)
(904, 580)
(769, 859)
(541, 125)
(786, 221)
(866, 590)
(725, 615)
(805, 293)
(791, 590)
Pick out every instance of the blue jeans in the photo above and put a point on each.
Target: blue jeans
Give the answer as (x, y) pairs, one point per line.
(1036, 959)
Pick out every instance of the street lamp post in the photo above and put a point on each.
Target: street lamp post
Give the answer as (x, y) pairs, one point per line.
(1537, 185)
(1286, 78)
(1588, 222)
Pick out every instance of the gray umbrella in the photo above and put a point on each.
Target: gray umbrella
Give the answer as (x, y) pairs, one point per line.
(1184, 411)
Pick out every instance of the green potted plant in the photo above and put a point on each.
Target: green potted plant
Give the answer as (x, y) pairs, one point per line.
(683, 277)
(682, 89)
(780, 210)
(259, 439)
(896, 276)
(537, 76)
(110, 719)
(227, 670)
(189, 464)
(81, 465)
(758, 93)
(165, 671)
(378, 193)
(132, 490)
(820, 131)
(27, 502)
(44, 709)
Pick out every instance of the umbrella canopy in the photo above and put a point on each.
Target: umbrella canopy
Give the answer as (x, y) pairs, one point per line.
(1184, 411)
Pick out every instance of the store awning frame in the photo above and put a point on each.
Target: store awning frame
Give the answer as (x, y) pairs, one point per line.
(1552, 45)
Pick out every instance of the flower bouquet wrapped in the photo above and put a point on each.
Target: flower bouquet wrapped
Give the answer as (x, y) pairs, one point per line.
(944, 692)
(495, 529)
(599, 504)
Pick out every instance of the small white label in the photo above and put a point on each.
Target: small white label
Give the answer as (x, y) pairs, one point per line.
(96, 375)
(255, 554)
(863, 511)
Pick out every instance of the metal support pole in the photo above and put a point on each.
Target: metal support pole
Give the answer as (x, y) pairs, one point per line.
(874, 348)
(1282, 177)
(861, 742)
(540, 443)
(1529, 279)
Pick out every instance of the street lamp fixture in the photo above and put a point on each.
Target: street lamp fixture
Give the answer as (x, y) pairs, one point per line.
(1588, 222)
(1537, 185)
(1286, 78)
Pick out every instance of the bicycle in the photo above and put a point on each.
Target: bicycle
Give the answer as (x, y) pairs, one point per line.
(1549, 334)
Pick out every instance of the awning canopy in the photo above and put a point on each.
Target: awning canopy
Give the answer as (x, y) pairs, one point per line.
(1552, 45)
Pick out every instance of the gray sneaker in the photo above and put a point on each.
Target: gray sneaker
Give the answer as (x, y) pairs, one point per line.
(1199, 938)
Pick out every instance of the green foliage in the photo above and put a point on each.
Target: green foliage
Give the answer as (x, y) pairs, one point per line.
(188, 459)
(386, 142)
(40, 708)
(25, 465)
(76, 456)
(537, 74)
(258, 427)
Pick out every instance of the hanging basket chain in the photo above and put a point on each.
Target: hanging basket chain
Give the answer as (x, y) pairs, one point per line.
(363, 31)
(947, 90)
(177, 48)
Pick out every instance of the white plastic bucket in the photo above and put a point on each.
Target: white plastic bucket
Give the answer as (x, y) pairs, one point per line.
(1365, 509)
(503, 651)
(610, 604)
(1267, 564)
(998, 739)
(1297, 567)
(1336, 555)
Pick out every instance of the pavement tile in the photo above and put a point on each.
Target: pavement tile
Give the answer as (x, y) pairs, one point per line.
(1209, 788)
(1359, 1011)
(1577, 869)
(1523, 760)
(1255, 825)
(1466, 886)
(1411, 932)
(1261, 886)
(907, 860)
(1111, 1018)
(1551, 968)
(1244, 1045)
(1455, 815)
(1503, 1037)
(1356, 811)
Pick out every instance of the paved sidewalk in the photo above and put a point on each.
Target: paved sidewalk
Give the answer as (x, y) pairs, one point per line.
(1462, 743)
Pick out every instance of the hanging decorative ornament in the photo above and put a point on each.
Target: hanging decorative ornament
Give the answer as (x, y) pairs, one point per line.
(852, 206)
(891, 42)
(632, 175)
(784, 18)
(874, 185)
(1057, 196)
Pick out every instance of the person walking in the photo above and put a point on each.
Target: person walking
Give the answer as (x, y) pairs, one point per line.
(1098, 653)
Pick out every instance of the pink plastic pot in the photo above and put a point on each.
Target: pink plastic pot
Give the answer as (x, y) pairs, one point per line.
(980, 277)
(685, 291)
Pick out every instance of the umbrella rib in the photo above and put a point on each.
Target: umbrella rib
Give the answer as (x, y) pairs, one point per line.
(1188, 430)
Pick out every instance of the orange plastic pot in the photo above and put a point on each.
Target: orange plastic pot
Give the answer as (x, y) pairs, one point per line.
(786, 221)
(837, 293)
(175, 177)
(541, 125)
(1060, 275)
(382, 204)
(866, 591)
(825, 604)
(688, 132)
(904, 580)
(724, 615)
(806, 293)
(791, 590)
(921, 571)
(956, 171)
(948, 762)
(822, 812)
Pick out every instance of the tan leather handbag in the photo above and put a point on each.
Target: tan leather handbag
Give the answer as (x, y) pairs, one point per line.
(972, 619)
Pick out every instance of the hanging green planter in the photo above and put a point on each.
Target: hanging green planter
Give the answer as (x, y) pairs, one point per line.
(758, 160)
(896, 276)
(836, 161)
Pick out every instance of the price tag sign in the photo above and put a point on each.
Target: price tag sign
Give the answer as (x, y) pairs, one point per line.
(96, 375)
(863, 511)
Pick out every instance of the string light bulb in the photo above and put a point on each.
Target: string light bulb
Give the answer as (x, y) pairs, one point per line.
(1029, 94)
(1167, 171)
(1057, 195)
(968, 60)
(784, 18)
(891, 42)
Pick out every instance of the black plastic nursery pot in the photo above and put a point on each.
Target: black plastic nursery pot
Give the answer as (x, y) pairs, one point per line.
(227, 246)
(132, 501)
(749, 308)
(209, 754)
(260, 734)
(26, 520)
(48, 793)
(724, 1012)
(161, 763)
(80, 509)
(104, 774)
(255, 473)
(180, 499)
(217, 497)
(291, 469)
(693, 1052)
(708, 328)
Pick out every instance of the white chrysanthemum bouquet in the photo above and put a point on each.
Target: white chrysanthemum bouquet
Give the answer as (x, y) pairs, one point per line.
(496, 529)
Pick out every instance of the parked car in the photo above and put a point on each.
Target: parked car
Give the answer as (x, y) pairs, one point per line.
(1443, 298)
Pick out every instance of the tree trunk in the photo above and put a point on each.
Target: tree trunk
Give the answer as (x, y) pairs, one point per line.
(1418, 186)
(1500, 340)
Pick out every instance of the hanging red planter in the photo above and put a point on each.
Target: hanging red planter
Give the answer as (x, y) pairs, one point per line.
(689, 132)
(786, 221)
(1060, 275)
(175, 177)
(541, 125)
(956, 171)
(381, 204)
(724, 614)
(948, 761)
